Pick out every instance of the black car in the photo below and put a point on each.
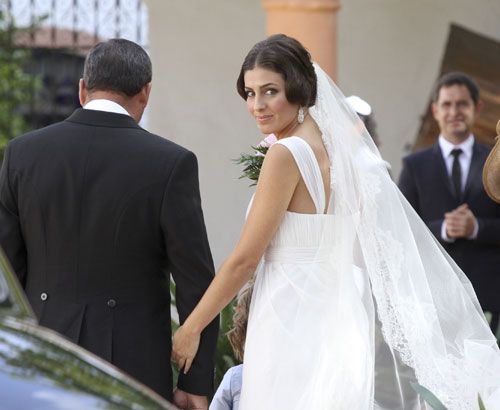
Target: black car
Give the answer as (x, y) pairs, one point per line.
(40, 370)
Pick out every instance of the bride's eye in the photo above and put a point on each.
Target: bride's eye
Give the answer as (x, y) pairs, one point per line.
(250, 93)
(271, 91)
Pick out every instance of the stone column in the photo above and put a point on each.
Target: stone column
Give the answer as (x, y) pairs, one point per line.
(312, 22)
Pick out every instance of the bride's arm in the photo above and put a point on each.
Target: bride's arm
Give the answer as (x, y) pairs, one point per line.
(278, 178)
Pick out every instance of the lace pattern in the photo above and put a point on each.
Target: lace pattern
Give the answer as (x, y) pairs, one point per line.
(411, 322)
(408, 325)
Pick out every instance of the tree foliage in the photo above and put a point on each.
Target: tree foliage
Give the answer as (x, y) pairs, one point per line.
(16, 86)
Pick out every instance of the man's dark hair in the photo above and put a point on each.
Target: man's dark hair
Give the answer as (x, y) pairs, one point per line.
(286, 56)
(117, 65)
(457, 78)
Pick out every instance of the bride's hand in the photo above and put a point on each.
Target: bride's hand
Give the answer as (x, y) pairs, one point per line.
(184, 347)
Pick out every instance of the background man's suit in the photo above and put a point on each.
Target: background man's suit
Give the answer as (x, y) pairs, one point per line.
(425, 182)
(94, 211)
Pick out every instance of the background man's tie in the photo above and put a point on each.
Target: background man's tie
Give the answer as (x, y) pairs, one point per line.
(456, 172)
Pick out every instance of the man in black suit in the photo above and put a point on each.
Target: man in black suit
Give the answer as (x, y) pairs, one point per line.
(444, 185)
(96, 212)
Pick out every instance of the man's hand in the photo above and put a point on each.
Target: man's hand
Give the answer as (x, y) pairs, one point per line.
(460, 222)
(187, 401)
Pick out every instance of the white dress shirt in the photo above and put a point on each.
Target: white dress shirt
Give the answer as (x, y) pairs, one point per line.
(105, 105)
(464, 160)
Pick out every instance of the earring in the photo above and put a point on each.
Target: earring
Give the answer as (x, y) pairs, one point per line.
(300, 115)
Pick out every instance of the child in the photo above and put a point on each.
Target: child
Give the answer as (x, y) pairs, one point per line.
(227, 396)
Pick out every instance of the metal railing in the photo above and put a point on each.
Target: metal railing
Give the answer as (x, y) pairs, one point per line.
(65, 31)
(78, 24)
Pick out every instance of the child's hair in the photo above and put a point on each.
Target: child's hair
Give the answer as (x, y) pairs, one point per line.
(238, 333)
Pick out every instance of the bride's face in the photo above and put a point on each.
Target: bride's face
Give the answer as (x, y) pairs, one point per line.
(267, 102)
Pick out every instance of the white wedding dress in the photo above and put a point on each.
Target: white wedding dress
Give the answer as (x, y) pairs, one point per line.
(353, 306)
(308, 339)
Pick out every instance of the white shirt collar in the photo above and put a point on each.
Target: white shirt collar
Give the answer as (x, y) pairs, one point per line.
(466, 146)
(105, 105)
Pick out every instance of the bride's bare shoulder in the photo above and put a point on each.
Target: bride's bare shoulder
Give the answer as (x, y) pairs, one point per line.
(279, 154)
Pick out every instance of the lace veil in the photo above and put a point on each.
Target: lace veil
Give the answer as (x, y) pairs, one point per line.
(426, 323)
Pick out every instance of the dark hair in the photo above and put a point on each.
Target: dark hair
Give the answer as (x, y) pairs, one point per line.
(286, 56)
(457, 78)
(371, 127)
(117, 65)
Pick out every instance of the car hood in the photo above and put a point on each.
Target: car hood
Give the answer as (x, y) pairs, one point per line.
(40, 369)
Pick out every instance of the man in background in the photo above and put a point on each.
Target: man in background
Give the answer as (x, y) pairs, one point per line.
(444, 185)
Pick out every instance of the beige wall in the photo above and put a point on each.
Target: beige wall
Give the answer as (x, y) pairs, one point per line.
(197, 48)
(390, 54)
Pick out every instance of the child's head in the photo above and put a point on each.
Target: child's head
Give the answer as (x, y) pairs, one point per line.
(238, 333)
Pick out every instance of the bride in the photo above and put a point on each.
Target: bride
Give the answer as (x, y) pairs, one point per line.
(354, 300)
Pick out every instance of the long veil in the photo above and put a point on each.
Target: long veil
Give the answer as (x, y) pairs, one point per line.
(426, 323)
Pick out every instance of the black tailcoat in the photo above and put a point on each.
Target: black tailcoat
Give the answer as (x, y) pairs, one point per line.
(95, 213)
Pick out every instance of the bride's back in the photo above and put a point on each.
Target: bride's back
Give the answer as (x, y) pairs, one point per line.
(301, 201)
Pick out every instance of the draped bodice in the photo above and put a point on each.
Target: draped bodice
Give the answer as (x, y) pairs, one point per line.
(303, 237)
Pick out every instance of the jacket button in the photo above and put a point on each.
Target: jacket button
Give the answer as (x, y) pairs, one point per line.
(44, 296)
(111, 303)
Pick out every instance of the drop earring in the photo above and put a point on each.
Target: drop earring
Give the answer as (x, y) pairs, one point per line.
(300, 115)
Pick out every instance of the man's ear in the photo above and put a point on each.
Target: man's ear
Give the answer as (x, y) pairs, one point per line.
(479, 106)
(434, 109)
(144, 94)
(82, 92)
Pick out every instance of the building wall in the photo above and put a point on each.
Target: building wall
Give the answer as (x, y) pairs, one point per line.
(390, 54)
(197, 48)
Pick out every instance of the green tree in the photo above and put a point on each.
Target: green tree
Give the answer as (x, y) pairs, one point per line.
(16, 86)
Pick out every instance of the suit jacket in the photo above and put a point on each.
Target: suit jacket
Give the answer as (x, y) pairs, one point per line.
(425, 183)
(95, 213)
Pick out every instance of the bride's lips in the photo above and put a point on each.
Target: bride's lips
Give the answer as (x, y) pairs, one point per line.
(263, 118)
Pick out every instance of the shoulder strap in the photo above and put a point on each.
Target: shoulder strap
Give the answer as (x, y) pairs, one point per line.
(309, 169)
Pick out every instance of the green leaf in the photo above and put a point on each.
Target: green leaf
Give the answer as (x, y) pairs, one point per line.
(18, 89)
(480, 402)
(428, 396)
(252, 163)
